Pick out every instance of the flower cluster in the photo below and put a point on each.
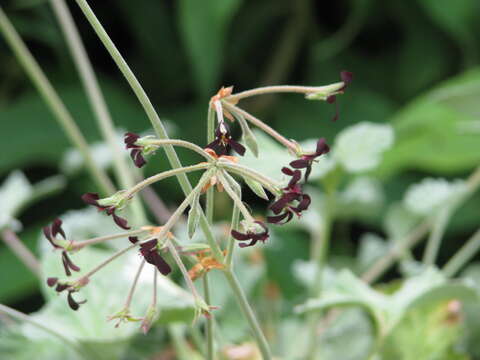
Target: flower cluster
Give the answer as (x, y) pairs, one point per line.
(306, 160)
(93, 199)
(70, 289)
(149, 251)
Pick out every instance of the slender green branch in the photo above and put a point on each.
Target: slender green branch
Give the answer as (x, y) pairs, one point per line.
(134, 284)
(97, 101)
(249, 314)
(209, 329)
(151, 113)
(161, 176)
(54, 102)
(182, 143)
(234, 98)
(236, 200)
(260, 124)
(24, 317)
(436, 235)
(77, 245)
(173, 251)
(270, 184)
(22, 252)
(231, 240)
(464, 255)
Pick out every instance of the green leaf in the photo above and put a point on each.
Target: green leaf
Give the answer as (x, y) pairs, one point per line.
(193, 216)
(204, 26)
(434, 133)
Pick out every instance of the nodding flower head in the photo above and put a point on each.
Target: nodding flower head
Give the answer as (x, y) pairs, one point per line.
(150, 253)
(255, 232)
(223, 141)
(136, 151)
(70, 288)
(283, 207)
(347, 78)
(51, 233)
(109, 205)
(306, 160)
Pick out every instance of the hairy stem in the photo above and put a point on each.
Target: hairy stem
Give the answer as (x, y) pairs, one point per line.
(283, 89)
(182, 143)
(161, 176)
(77, 245)
(54, 102)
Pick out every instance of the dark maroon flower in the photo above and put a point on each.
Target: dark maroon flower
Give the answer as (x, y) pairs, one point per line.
(305, 162)
(283, 208)
(136, 152)
(133, 239)
(92, 199)
(347, 78)
(223, 142)
(60, 287)
(251, 235)
(150, 254)
(50, 233)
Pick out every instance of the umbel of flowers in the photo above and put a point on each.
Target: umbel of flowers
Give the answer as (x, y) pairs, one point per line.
(156, 245)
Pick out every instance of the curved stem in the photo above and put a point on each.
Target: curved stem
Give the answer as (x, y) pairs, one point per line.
(134, 284)
(259, 123)
(234, 98)
(242, 170)
(166, 174)
(97, 101)
(50, 96)
(24, 317)
(152, 115)
(182, 143)
(77, 245)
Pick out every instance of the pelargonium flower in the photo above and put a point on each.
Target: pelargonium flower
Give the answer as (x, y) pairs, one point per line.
(150, 253)
(283, 207)
(70, 288)
(347, 78)
(92, 199)
(223, 141)
(136, 152)
(253, 233)
(50, 233)
(305, 162)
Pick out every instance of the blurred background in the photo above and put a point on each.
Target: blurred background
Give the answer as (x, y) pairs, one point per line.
(182, 51)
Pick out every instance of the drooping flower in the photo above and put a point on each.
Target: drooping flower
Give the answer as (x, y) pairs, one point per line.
(51, 233)
(223, 141)
(150, 253)
(306, 160)
(253, 233)
(284, 207)
(136, 151)
(92, 199)
(347, 78)
(70, 288)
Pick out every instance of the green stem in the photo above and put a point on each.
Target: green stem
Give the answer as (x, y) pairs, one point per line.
(465, 254)
(182, 143)
(436, 235)
(97, 102)
(209, 330)
(260, 124)
(231, 240)
(54, 102)
(161, 176)
(236, 199)
(210, 206)
(242, 170)
(283, 89)
(23, 317)
(152, 115)
(248, 313)
(77, 245)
